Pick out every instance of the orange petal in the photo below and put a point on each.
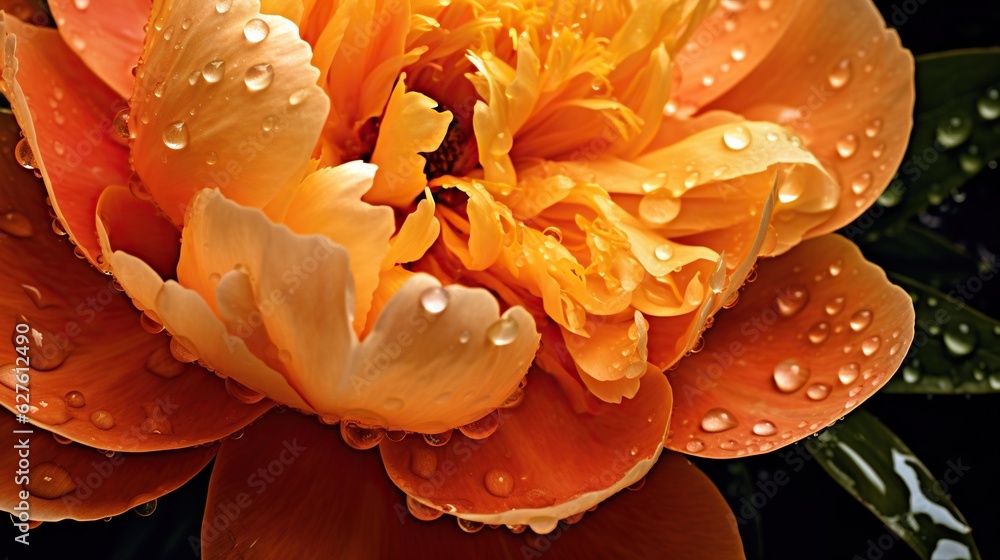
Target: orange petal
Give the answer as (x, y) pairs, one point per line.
(106, 35)
(818, 333)
(543, 464)
(410, 125)
(201, 60)
(841, 80)
(66, 115)
(436, 358)
(419, 231)
(92, 343)
(728, 45)
(71, 481)
(356, 513)
(360, 228)
(137, 228)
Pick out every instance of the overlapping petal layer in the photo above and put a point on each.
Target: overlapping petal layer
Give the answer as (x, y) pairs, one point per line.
(818, 333)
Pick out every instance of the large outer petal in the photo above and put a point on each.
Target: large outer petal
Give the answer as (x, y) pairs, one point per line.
(66, 115)
(820, 304)
(837, 72)
(561, 463)
(356, 513)
(106, 34)
(108, 356)
(234, 123)
(96, 486)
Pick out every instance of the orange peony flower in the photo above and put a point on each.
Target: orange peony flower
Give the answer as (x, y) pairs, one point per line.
(576, 232)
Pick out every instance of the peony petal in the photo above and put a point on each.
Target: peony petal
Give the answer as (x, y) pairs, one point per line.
(360, 228)
(419, 231)
(411, 125)
(818, 333)
(71, 481)
(201, 60)
(729, 44)
(544, 463)
(106, 35)
(137, 228)
(357, 513)
(434, 359)
(92, 343)
(850, 96)
(66, 115)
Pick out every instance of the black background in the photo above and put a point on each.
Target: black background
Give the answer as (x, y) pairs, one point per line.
(811, 516)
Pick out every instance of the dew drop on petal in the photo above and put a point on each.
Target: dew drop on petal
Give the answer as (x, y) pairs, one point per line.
(223, 6)
(18, 225)
(75, 399)
(438, 439)
(818, 391)
(256, 30)
(180, 348)
(102, 419)
(847, 145)
(241, 392)
(258, 76)
(840, 74)
(790, 375)
(421, 511)
(818, 333)
(861, 320)
(737, 137)
(49, 481)
(175, 135)
(434, 300)
(214, 71)
(849, 373)
(24, 155)
(470, 526)
(791, 300)
(765, 428)
(695, 445)
(502, 332)
(482, 428)
(499, 482)
(718, 420)
(145, 509)
(360, 437)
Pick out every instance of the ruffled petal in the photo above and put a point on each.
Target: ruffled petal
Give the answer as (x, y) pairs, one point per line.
(201, 60)
(107, 36)
(850, 97)
(419, 231)
(270, 476)
(66, 115)
(544, 462)
(136, 227)
(71, 481)
(818, 333)
(97, 377)
(436, 358)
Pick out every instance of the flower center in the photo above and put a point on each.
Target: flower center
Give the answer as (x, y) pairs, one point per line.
(458, 153)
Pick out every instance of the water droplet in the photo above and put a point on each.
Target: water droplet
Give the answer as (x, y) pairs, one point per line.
(298, 96)
(960, 340)
(790, 375)
(81, 4)
(663, 252)
(659, 207)
(75, 399)
(953, 131)
(738, 53)
(791, 300)
(421, 511)
(423, 463)
(18, 225)
(482, 428)
(49, 481)
(818, 391)
(718, 420)
(847, 145)
(765, 428)
(214, 71)
(861, 183)
(162, 363)
(871, 345)
(818, 333)
(180, 348)
(360, 437)
(121, 123)
(654, 182)
(499, 482)
(834, 306)
(24, 155)
(241, 392)
(840, 74)
(175, 135)
(150, 322)
(861, 320)
(554, 233)
(258, 77)
(989, 105)
(873, 128)
(849, 373)
(223, 6)
(692, 180)
(102, 419)
(256, 30)
(145, 509)
(46, 351)
(470, 526)
(438, 439)
(434, 300)
(211, 158)
(694, 446)
(502, 332)
(737, 137)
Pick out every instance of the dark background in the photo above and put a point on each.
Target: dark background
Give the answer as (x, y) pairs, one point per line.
(811, 516)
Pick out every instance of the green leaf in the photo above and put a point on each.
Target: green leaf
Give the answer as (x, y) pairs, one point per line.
(954, 347)
(923, 255)
(956, 132)
(871, 463)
